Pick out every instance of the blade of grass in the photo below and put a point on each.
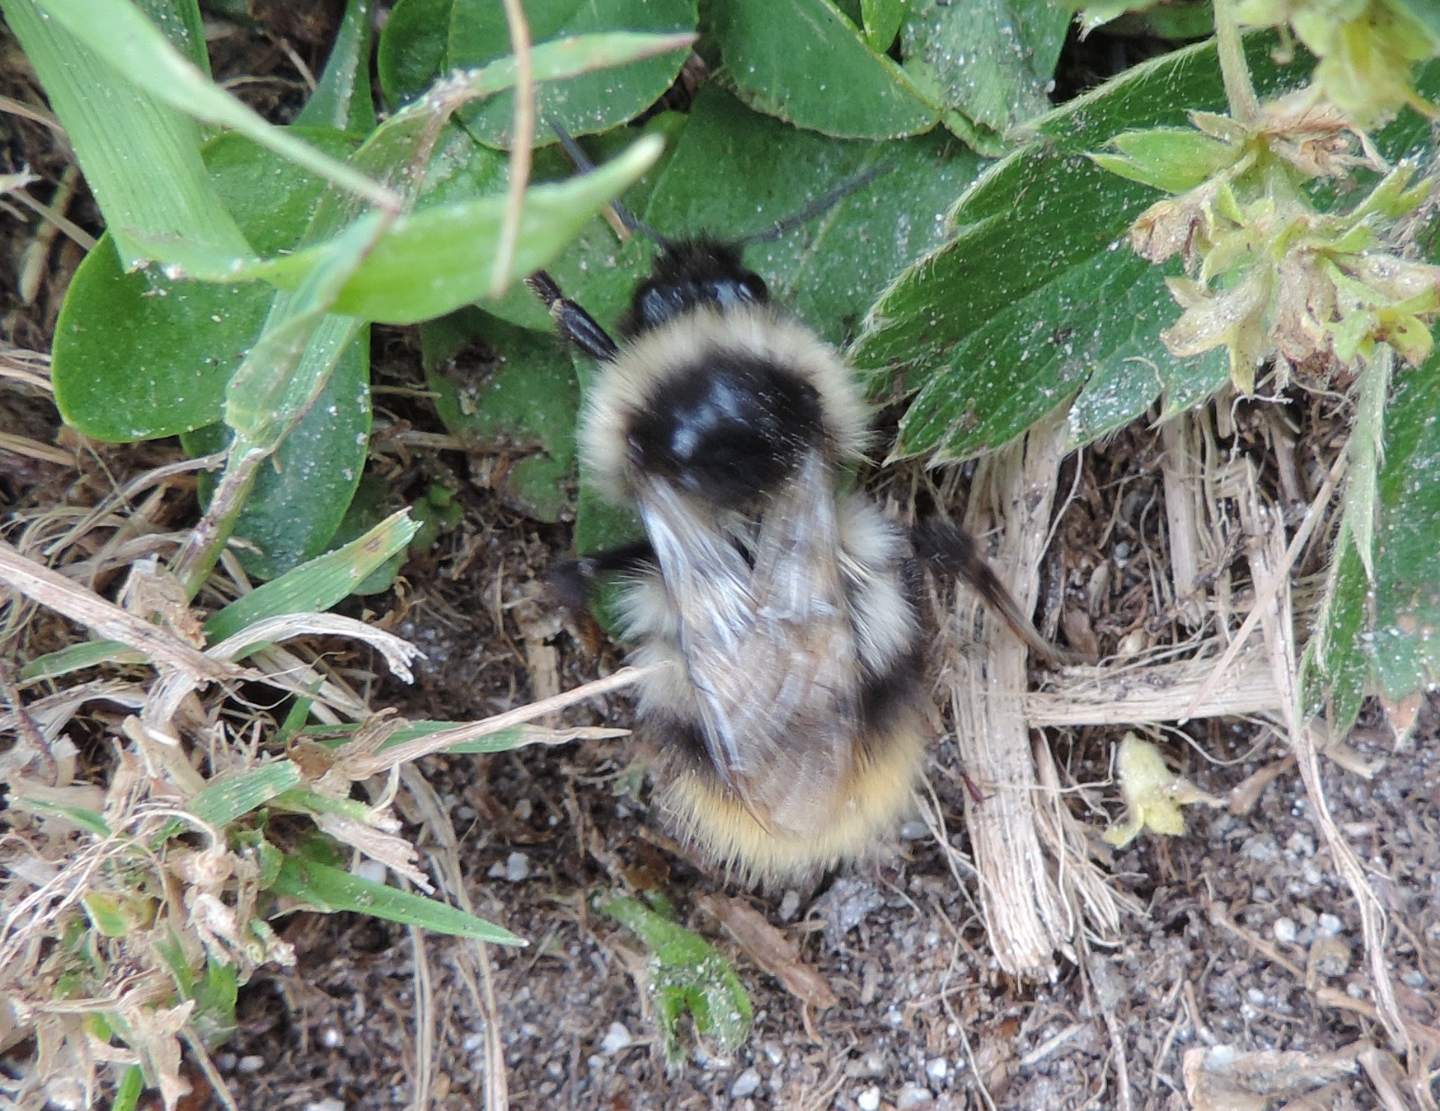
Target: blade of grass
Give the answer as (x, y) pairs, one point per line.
(119, 35)
(140, 154)
(317, 585)
(342, 97)
(330, 889)
(76, 657)
(219, 803)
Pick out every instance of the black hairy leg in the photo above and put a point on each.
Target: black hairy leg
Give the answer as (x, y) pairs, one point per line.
(574, 323)
(951, 551)
(573, 581)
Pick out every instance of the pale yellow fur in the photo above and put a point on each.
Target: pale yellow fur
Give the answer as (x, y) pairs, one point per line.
(876, 796)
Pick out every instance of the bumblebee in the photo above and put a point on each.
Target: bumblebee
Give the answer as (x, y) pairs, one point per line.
(789, 725)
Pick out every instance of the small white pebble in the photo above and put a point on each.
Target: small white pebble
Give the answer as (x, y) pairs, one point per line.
(330, 1038)
(914, 831)
(524, 809)
(937, 1068)
(1256, 996)
(1329, 924)
(225, 1062)
(371, 870)
(330, 1103)
(745, 1084)
(869, 1099)
(252, 1063)
(1414, 978)
(774, 1053)
(517, 867)
(1285, 930)
(789, 904)
(616, 1038)
(472, 1042)
(912, 1096)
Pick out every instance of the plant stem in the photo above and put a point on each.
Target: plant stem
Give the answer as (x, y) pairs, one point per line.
(1234, 70)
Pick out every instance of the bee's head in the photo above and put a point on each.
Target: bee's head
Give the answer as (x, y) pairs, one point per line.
(726, 431)
(691, 274)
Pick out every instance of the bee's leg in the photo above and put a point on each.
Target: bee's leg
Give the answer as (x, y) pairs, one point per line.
(951, 551)
(573, 581)
(575, 324)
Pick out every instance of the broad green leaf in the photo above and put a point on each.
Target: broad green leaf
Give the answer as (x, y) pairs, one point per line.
(1406, 639)
(511, 394)
(329, 889)
(805, 63)
(829, 270)
(989, 60)
(686, 974)
(880, 20)
(1038, 297)
(140, 154)
(583, 104)
(342, 98)
(317, 585)
(128, 43)
(301, 494)
(412, 48)
(222, 801)
(138, 355)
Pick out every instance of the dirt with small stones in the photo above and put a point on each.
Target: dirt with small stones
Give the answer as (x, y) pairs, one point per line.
(1245, 922)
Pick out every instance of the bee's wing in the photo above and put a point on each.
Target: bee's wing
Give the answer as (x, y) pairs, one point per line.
(769, 647)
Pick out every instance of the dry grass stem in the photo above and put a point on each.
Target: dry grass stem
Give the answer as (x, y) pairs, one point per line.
(1027, 917)
(1269, 561)
(55, 591)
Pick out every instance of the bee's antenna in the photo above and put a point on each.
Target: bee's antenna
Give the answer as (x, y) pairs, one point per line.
(582, 162)
(816, 207)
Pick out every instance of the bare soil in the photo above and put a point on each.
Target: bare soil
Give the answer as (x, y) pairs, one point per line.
(1245, 936)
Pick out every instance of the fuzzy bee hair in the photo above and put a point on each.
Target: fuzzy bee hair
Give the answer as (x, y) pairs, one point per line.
(788, 723)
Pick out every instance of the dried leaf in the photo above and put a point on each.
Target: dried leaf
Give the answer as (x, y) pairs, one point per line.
(771, 949)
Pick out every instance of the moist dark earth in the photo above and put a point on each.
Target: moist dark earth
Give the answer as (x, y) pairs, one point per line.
(1246, 936)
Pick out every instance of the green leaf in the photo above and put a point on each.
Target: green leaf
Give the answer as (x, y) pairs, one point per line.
(512, 394)
(342, 98)
(1406, 643)
(687, 974)
(989, 60)
(317, 585)
(222, 801)
(90, 653)
(1038, 297)
(91, 821)
(127, 1094)
(1170, 158)
(451, 244)
(328, 889)
(412, 48)
(585, 103)
(805, 63)
(301, 494)
(131, 45)
(117, 915)
(138, 355)
(140, 154)
(881, 19)
(1336, 667)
